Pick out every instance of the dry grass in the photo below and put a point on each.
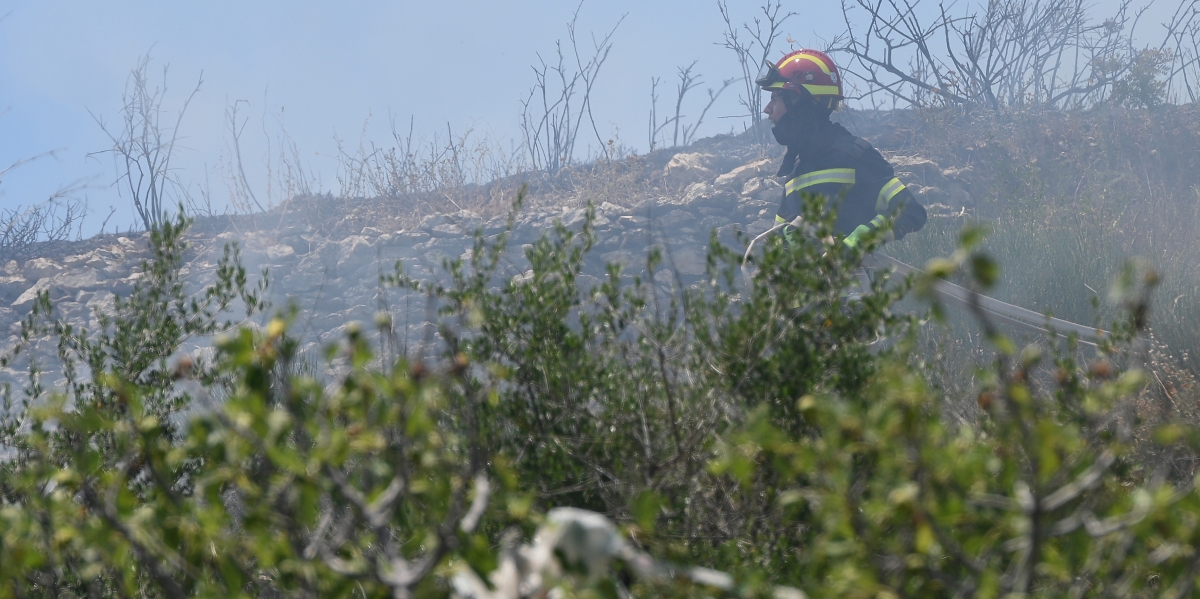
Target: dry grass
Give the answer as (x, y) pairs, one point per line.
(1070, 197)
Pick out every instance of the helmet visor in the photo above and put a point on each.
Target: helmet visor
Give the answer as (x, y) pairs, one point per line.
(769, 76)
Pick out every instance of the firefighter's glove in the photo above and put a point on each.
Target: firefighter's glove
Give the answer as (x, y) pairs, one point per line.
(853, 239)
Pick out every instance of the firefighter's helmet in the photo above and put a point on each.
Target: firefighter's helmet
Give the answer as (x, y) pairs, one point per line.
(806, 72)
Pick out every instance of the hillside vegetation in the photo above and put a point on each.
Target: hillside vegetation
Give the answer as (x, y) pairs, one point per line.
(589, 340)
(494, 374)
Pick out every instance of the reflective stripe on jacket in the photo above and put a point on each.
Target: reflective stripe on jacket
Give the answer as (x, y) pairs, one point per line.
(856, 180)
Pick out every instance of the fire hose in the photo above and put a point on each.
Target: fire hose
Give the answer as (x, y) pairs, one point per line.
(962, 298)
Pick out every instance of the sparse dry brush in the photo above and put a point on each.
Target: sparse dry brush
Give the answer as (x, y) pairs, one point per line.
(1067, 197)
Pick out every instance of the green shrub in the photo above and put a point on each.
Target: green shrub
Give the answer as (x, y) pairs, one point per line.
(616, 394)
(282, 488)
(1042, 498)
(770, 426)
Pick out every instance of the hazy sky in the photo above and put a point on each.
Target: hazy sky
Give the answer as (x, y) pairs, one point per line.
(326, 69)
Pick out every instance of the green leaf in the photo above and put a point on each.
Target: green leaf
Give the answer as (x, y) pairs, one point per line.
(940, 268)
(971, 236)
(1171, 433)
(646, 507)
(985, 270)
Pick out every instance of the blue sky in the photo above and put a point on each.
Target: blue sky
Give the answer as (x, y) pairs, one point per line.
(326, 69)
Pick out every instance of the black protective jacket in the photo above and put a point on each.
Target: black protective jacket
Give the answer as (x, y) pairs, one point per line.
(856, 180)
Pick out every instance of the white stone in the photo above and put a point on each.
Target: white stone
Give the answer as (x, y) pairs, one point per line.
(32, 293)
(573, 217)
(12, 284)
(354, 252)
(691, 165)
(446, 230)
(612, 209)
(697, 191)
(281, 251)
(736, 178)
(76, 279)
(96, 261)
(431, 221)
(39, 268)
(77, 260)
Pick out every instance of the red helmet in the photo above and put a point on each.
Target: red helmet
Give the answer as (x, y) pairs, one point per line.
(803, 71)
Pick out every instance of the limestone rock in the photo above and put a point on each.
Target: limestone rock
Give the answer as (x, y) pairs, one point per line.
(39, 268)
(573, 218)
(447, 230)
(759, 226)
(697, 191)
(467, 221)
(355, 252)
(11, 285)
(764, 188)
(26, 298)
(676, 219)
(684, 167)
(928, 196)
(280, 252)
(961, 197)
(736, 178)
(75, 280)
(610, 209)
(431, 221)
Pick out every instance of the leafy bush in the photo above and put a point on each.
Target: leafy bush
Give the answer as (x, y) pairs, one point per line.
(292, 490)
(616, 394)
(773, 426)
(1042, 498)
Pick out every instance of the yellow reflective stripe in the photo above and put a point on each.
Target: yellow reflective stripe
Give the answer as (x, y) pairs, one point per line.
(886, 194)
(810, 58)
(879, 221)
(821, 90)
(777, 85)
(833, 175)
(780, 219)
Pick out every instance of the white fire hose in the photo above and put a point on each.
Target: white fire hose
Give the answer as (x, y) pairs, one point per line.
(959, 297)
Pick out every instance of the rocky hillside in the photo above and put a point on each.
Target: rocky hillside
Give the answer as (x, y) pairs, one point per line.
(334, 278)
(325, 255)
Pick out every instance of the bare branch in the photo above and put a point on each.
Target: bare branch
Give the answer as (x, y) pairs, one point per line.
(143, 148)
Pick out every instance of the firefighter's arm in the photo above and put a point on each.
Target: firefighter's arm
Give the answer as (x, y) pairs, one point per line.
(897, 212)
(910, 214)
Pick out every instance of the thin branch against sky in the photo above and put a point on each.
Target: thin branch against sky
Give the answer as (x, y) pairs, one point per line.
(464, 62)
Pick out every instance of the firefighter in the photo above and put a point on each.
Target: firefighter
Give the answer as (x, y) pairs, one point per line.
(824, 158)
